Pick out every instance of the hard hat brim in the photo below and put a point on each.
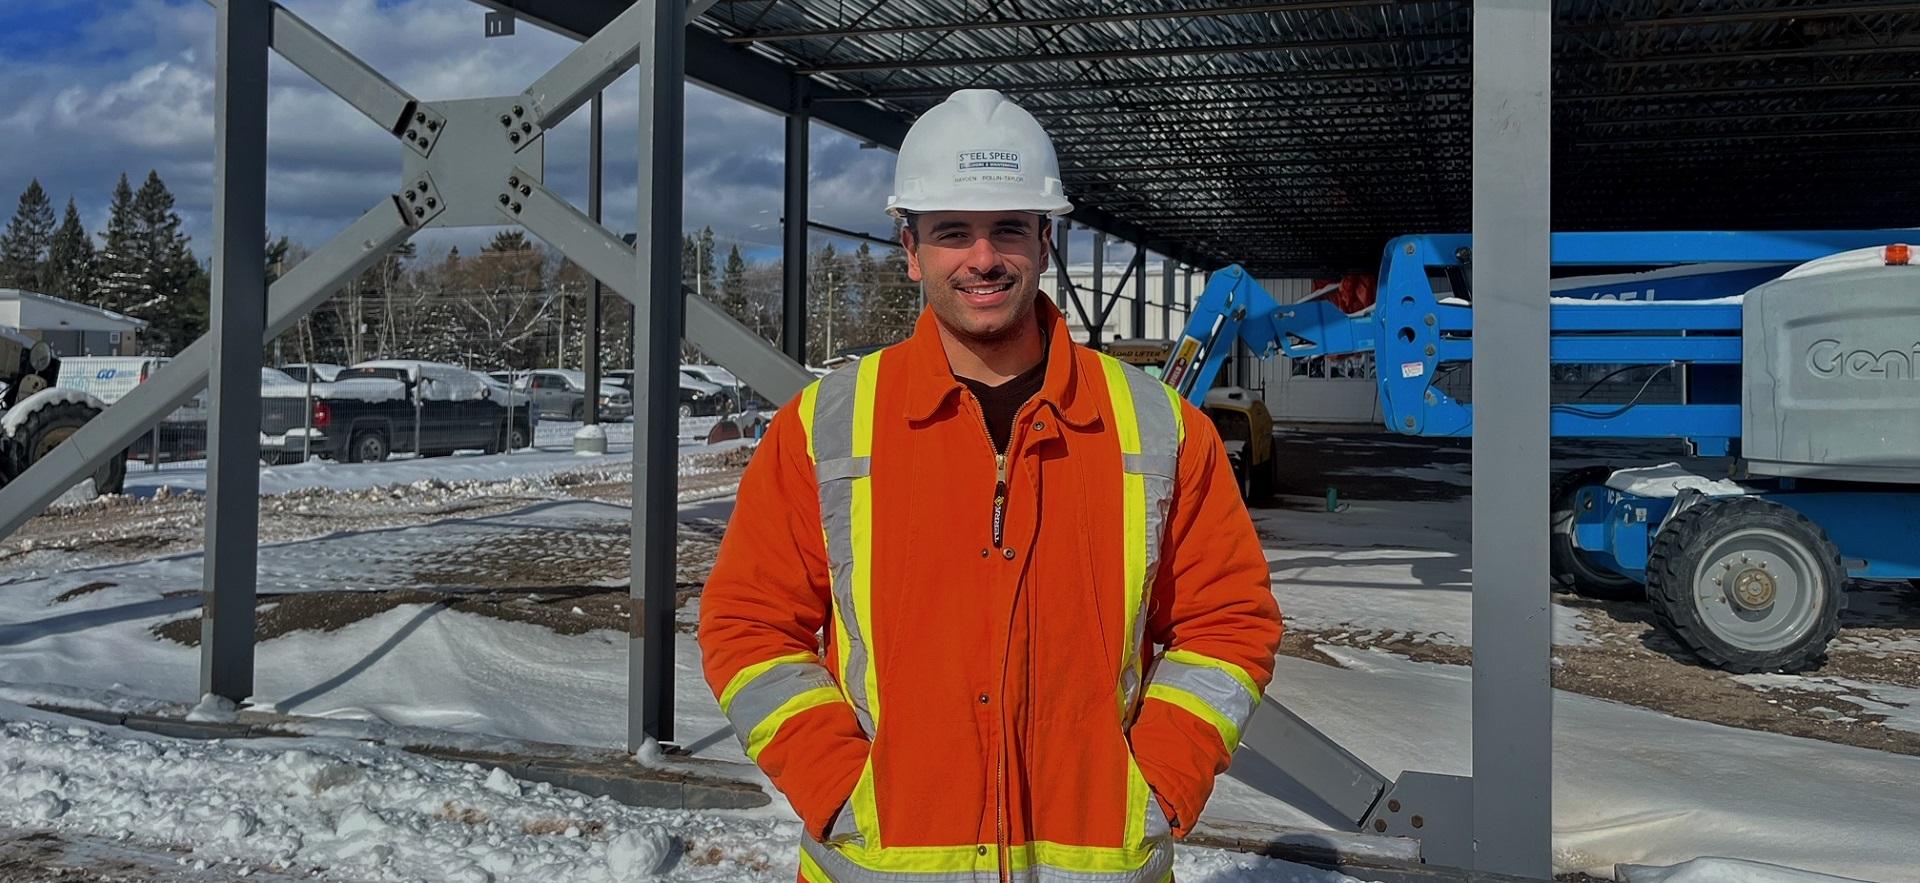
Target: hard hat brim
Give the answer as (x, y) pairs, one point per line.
(981, 202)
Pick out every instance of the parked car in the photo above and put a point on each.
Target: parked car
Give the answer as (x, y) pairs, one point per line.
(319, 371)
(729, 391)
(181, 435)
(698, 398)
(378, 408)
(561, 393)
(740, 396)
(518, 402)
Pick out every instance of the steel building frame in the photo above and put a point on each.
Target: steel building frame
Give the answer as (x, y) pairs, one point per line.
(1292, 137)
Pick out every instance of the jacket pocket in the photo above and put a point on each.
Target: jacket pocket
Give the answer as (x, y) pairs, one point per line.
(846, 830)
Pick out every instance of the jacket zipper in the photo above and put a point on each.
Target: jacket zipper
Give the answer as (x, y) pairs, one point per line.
(999, 474)
(999, 535)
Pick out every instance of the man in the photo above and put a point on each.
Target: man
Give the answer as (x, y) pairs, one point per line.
(934, 616)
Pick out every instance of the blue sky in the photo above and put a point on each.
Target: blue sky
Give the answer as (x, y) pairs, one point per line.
(97, 88)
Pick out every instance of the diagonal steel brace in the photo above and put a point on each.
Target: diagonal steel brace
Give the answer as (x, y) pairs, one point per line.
(610, 259)
(389, 106)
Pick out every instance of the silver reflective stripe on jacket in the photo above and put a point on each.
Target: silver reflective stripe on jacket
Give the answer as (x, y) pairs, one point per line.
(835, 467)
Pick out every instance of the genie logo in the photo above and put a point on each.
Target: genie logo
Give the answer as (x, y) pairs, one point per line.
(1831, 359)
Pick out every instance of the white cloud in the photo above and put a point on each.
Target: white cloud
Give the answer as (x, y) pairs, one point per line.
(137, 93)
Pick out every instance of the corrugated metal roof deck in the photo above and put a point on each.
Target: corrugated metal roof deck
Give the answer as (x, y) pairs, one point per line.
(1297, 136)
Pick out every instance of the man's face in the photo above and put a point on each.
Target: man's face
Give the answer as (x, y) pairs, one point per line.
(980, 270)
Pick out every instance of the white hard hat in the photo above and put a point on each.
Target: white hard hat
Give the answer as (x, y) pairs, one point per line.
(977, 152)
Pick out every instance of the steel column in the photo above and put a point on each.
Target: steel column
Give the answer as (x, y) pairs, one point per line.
(1139, 289)
(1166, 297)
(239, 317)
(1097, 327)
(594, 142)
(656, 362)
(1512, 622)
(793, 240)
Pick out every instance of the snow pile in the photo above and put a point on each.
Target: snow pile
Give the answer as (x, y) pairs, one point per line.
(358, 389)
(1724, 870)
(357, 810)
(18, 414)
(214, 708)
(353, 810)
(1668, 480)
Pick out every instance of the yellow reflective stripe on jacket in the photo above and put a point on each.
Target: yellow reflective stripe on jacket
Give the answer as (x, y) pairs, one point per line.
(1214, 690)
(764, 696)
(762, 734)
(976, 863)
(838, 411)
(1148, 424)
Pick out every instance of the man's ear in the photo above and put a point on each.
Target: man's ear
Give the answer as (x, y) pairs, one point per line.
(907, 244)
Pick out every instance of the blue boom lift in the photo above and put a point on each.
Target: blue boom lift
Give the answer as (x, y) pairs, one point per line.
(1802, 364)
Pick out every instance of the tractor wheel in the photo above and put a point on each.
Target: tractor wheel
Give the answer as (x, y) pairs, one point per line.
(1748, 584)
(52, 424)
(1572, 567)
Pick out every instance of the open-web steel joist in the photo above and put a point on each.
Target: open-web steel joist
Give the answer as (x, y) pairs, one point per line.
(1298, 136)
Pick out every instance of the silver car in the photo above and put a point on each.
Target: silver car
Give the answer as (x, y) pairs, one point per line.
(561, 394)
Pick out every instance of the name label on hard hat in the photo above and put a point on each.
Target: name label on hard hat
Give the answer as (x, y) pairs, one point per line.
(989, 159)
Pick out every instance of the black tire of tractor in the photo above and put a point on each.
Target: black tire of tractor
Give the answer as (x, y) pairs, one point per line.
(1678, 555)
(52, 424)
(367, 446)
(579, 412)
(282, 458)
(1570, 566)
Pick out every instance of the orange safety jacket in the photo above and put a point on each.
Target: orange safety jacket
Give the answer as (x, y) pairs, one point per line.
(964, 666)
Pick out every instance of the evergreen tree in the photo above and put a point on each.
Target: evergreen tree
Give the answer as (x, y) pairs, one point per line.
(504, 241)
(696, 262)
(70, 260)
(827, 319)
(119, 261)
(169, 291)
(899, 298)
(733, 288)
(870, 325)
(24, 245)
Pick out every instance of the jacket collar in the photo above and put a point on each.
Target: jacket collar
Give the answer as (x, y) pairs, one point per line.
(931, 382)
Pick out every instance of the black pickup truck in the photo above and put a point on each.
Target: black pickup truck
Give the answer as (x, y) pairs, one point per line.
(374, 409)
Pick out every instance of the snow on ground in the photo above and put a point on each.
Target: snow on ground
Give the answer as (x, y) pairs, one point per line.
(1378, 566)
(1724, 870)
(553, 452)
(1900, 705)
(1632, 785)
(354, 810)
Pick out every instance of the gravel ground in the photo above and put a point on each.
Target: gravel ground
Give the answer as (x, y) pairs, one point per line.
(1629, 659)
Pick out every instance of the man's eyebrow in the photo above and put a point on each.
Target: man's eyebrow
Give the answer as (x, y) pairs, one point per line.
(951, 225)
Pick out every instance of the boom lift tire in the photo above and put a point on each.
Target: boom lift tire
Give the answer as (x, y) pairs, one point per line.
(1748, 584)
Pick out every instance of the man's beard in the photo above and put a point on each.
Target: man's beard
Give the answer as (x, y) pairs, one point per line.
(996, 336)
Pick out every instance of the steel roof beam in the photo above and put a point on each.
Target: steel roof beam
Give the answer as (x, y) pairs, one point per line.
(1125, 53)
(1132, 84)
(1052, 21)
